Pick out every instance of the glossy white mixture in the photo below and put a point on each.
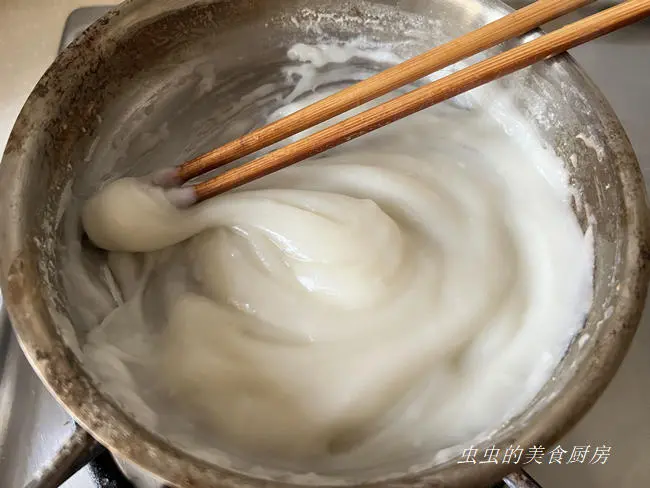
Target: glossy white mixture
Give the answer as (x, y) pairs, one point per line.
(408, 290)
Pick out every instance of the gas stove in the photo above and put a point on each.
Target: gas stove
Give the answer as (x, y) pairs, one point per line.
(41, 447)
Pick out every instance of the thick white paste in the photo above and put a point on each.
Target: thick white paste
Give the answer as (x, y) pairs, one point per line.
(408, 290)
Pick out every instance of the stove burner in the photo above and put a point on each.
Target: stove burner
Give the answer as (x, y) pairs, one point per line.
(107, 474)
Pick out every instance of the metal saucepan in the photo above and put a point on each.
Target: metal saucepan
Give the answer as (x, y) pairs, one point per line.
(121, 79)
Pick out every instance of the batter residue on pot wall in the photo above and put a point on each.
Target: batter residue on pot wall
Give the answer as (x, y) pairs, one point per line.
(398, 295)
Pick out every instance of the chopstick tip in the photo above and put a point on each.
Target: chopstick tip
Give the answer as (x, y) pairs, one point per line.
(166, 178)
(182, 197)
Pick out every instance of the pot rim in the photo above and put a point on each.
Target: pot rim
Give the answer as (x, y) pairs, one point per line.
(63, 376)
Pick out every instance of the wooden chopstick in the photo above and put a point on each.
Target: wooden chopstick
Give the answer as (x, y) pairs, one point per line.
(443, 89)
(507, 27)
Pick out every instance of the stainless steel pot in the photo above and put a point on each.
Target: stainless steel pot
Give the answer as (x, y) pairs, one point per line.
(122, 76)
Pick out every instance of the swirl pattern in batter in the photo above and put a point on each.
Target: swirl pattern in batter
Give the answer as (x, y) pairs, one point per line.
(408, 290)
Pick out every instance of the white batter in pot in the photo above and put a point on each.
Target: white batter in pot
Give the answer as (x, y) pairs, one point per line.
(408, 290)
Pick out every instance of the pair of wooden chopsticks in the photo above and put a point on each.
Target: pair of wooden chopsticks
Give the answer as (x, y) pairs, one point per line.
(512, 25)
